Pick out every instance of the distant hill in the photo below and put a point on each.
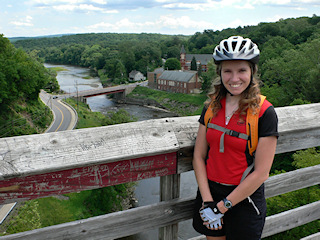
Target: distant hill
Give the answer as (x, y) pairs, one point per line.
(14, 39)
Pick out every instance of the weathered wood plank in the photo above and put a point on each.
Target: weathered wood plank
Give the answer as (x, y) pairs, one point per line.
(169, 189)
(115, 225)
(85, 178)
(291, 219)
(315, 236)
(298, 117)
(51, 152)
(292, 181)
(121, 224)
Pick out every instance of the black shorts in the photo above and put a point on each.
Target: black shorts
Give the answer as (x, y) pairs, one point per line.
(243, 221)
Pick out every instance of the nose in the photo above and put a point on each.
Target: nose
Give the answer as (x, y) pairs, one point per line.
(234, 76)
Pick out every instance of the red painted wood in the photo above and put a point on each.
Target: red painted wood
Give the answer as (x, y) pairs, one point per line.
(102, 93)
(84, 178)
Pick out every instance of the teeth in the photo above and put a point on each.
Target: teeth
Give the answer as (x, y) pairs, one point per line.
(235, 85)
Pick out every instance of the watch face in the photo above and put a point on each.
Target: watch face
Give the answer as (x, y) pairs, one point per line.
(227, 203)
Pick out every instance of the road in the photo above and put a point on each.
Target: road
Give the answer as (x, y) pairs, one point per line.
(65, 118)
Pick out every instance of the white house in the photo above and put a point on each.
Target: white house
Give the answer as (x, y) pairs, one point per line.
(136, 76)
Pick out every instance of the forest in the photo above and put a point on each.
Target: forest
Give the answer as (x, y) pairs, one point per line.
(289, 64)
(289, 69)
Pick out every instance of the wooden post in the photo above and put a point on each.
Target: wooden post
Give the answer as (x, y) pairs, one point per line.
(169, 189)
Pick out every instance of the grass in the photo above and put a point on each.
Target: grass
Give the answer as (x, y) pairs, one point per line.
(87, 118)
(182, 104)
(24, 118)
(59, 69)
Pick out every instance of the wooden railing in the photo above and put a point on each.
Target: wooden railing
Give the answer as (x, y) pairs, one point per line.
(35, 166)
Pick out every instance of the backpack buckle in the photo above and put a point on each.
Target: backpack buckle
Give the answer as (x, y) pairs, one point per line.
(233, 133)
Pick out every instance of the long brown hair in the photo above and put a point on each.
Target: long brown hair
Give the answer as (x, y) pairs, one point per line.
(249, 98)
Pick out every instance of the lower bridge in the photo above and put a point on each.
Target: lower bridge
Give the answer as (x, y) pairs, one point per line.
(35, 166)
(120, 91)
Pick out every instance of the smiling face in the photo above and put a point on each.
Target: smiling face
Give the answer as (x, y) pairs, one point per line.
(236, 75)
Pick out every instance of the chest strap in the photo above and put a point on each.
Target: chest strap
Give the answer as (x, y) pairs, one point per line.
(224, 132)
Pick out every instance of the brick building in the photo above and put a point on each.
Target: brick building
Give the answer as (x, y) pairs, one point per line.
(201, 59)
(153, 77)
(179, 81)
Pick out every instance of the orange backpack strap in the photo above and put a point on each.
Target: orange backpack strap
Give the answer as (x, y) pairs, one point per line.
(252, 126)
(208, 116)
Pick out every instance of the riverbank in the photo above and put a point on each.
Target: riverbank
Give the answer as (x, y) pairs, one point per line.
(178, 103)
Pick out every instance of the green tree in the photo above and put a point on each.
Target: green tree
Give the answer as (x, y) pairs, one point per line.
(127, 56)
(172, 64)
(20, 74)
(306, 158)
(93, 57)
(207, 77)
(193, 64)
(274, 48)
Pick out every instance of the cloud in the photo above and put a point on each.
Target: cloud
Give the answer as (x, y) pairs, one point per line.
(23, 22)
(297, 4)
(201, 5)
(80, 7)
(103, 5)
(163, 22)
(84, 6)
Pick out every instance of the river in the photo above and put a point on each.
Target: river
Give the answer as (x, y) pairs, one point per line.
(147, 191)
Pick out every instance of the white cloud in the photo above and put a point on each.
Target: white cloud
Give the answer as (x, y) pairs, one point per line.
(23, 22)
(163, 22)
(80, 7)
(211, 5)
(54, 2)
(192, 6)
(86, 6)
(287, 3)
(99, 1)
(170, 21)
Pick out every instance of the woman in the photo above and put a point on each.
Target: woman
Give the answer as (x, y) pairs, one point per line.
(230, 205)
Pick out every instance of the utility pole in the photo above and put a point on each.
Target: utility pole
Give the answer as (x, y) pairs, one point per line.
(76, 83)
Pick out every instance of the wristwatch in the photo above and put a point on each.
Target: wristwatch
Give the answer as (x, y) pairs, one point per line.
(227, 203)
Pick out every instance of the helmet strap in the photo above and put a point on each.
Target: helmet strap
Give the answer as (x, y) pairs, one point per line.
(225, 87)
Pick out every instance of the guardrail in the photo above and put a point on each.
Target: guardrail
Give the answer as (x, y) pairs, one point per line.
(42, 165)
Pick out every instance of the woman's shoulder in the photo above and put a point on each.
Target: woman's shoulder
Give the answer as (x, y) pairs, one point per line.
(265, 105)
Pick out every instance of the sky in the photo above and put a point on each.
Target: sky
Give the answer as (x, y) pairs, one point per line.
(30, 18)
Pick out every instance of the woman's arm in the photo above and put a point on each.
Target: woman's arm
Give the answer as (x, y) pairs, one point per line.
(263, 161)
(199, 166)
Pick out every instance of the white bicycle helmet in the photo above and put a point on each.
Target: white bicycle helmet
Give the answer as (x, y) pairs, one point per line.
(236, 48)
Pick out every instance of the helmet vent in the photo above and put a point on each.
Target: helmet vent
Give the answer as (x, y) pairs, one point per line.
(243, 43)
(226, 46)
(234, 44)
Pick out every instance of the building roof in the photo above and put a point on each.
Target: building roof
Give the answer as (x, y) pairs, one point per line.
(158, 70)
(134, 73)
(182, 49)
(203, 58)
(178, 76)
